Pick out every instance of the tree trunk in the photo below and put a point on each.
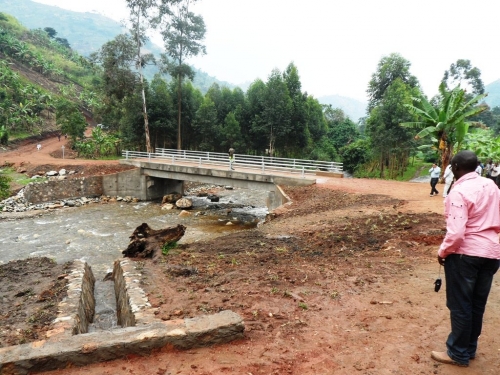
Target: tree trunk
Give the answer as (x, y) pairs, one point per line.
(139, 67)
(179, 109)
(148, 243)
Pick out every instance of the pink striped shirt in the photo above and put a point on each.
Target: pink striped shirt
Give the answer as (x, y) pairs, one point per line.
(472, 211)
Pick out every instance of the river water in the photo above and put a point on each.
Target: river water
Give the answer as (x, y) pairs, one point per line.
(97, 233)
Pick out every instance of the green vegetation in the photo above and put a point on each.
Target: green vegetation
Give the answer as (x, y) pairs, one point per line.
(167, 247)
(4, 187)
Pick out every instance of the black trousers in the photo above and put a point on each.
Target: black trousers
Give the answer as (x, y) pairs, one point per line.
(434, 182)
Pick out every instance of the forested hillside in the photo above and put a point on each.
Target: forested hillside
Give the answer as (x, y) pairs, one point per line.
(39, 78)
(85, 32)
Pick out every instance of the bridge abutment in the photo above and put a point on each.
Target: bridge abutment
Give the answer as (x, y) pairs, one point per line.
(136, 183)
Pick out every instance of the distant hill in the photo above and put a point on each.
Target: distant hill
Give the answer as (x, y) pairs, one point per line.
(353, 108)
(493, 90)
(85, 32)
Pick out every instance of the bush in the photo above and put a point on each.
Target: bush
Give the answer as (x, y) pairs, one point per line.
(4, 187)
(355, 154)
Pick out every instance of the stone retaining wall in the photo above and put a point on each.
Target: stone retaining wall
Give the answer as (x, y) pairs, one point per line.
(77, 309)
(64, 189)
(132, 306)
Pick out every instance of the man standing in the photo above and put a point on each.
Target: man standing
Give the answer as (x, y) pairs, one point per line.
(435, 171)
(231, 158)
(470, 253)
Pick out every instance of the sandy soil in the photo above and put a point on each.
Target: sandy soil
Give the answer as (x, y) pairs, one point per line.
(339, 282)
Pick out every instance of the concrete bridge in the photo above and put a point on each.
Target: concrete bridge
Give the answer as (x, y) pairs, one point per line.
(165, 171)
(154, 179)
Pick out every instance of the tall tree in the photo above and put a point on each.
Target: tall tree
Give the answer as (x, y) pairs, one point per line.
(276, 115)
(390, 143)
(143, 15)
(463, 74)
(299, 132)
(391, 86)
(182, 36)
(116, 57)
(388, 70)
(205, 125)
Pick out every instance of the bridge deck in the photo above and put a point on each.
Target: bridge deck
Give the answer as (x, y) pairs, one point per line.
(306, 179)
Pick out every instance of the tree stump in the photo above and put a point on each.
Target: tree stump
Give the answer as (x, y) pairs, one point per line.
(148, 243)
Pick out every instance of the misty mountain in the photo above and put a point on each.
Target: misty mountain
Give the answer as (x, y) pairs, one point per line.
(86, 32)
(353, 108)
(493, 90)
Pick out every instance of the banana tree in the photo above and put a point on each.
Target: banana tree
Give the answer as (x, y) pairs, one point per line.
(445, 124)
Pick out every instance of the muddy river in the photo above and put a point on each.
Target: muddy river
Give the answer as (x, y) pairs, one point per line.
(97, 233)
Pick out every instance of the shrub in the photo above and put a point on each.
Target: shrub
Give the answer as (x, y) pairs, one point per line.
(4, 187)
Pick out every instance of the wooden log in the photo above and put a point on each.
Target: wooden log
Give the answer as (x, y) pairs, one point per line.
(146, 242)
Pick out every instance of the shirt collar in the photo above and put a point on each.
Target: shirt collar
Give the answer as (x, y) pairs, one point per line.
(468, 176)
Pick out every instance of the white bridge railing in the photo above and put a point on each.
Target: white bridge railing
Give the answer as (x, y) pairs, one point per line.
(262, 163)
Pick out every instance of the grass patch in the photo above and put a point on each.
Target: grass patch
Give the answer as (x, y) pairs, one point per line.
(416, 167)
(167, 247)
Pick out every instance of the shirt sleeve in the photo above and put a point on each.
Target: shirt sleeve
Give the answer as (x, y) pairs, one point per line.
(456, 220)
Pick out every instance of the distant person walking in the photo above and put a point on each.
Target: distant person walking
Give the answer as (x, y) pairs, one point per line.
(59, 137)
(435, 172)
(448, 180)
(479, 169)
(231, 158)
(38, 147)
(495, 171)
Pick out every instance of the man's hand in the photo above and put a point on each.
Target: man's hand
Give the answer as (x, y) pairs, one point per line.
(441, 260)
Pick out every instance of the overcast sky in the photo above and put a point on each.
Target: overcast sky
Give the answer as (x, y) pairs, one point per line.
(336, 45)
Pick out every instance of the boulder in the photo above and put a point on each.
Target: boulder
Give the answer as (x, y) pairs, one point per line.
(167, 206)
(62, 172)
(171, 198)
(184, 203)
(51, 173)
(184, 213)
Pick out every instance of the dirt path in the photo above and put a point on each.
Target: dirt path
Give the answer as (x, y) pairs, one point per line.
(27, 154)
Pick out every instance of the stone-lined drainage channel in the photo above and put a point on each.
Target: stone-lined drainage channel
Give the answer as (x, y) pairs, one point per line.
(74, 340)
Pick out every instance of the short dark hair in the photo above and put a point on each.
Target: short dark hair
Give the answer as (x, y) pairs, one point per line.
(466, 160)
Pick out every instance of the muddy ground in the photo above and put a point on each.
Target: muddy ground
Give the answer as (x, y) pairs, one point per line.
(339, 282)
(30, 290)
